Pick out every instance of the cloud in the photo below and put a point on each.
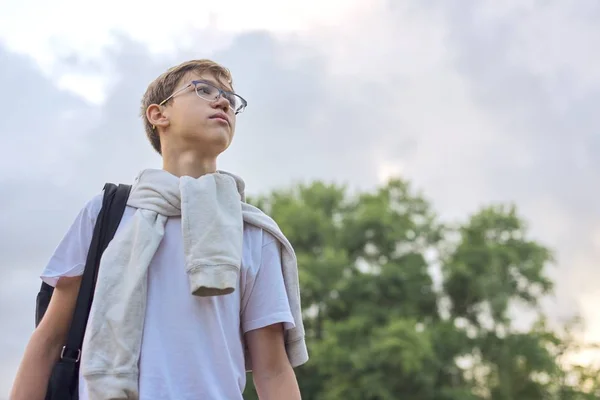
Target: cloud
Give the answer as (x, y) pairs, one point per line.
(38, 140)
(534, 72)
(473, 102)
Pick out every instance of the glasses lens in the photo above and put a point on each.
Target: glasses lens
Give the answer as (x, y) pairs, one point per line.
(206, 91)
(210, 93)
(237, 104)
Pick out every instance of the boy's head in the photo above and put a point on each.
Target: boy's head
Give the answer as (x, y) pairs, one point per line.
(191, 105)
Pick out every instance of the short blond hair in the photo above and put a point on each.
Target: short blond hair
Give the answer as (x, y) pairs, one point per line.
(163, 86)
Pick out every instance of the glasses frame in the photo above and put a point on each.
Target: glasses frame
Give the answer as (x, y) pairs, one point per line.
(221, 93)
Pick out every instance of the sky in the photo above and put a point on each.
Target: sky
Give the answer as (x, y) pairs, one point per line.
(473, 102)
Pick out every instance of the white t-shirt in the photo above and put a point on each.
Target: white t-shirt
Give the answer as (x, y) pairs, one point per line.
(192, 347)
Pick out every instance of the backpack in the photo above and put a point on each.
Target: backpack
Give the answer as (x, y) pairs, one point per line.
(64, 379)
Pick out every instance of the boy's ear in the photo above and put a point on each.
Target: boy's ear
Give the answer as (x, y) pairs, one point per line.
(156, 116)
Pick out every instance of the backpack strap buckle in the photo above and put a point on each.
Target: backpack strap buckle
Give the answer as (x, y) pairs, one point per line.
(63, 356)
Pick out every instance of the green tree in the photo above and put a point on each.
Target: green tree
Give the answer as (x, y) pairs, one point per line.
(494, 266)
(380, 327)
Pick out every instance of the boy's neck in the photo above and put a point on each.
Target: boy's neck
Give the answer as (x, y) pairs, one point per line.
(189, 164)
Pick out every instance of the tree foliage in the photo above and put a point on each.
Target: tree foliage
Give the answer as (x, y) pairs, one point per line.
(399, 306)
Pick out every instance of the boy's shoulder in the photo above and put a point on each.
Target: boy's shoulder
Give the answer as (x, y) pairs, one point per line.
(94, 203)
(258, 235)
(92, 207)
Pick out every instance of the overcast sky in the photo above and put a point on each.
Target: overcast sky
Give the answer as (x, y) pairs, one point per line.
(474, 102)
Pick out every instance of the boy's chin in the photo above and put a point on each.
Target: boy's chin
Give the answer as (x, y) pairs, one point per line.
(217, 142)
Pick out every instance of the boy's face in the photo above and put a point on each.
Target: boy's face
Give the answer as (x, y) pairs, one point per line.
(199, 121)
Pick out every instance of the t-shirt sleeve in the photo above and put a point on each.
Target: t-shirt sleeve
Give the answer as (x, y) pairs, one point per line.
(70, 255)
(267, 301)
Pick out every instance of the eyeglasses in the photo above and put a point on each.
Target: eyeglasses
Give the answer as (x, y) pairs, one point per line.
(208, 91)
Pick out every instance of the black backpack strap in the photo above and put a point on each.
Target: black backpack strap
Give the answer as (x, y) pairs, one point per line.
(64, 380)
(113, 206)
